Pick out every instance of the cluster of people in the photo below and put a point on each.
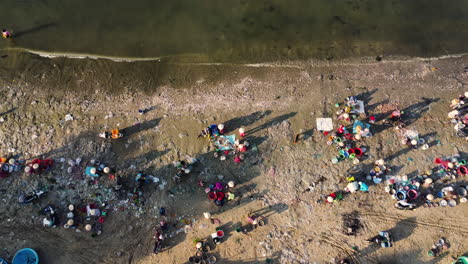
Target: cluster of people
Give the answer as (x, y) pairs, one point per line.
(459, 115)
(377, 173)
(345, 143)
(347, 136)
(7, 166)
(226, 144)
(38, 166)
(114, 134)
(88, 217)
(97, 169)
(407, 191)
(219, 192)
(350, 110)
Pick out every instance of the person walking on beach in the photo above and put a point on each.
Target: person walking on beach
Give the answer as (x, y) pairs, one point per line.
(6, 34)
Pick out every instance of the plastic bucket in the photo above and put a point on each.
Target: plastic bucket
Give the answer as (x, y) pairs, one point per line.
(452, 203)
(462, 170)
(341, 157)
(220, 233)
(212, 260)
(400, 195)
(440, 194)
(438, 161)
(211, 195)
(412, 194)
(350, 151)
(26, 256)
(461, 191)
(206, 248)
(443, 203)
(358, 152)
(352, 155)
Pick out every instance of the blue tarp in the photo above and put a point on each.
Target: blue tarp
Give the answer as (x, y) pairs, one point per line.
(225, 142)
(361, 124)
(88, 172)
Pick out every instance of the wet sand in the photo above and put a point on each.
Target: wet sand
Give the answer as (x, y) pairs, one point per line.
(282, 181)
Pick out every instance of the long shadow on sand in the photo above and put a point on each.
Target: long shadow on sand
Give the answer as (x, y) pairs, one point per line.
(407, 149)
(245, 120)
(411, 114)
(271, 122)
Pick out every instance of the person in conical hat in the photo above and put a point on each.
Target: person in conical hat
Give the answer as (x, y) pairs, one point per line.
(106, 170)
(453, 114)
(88, 227)
(242, 148)
(380, 162)
(92, 212)
(242, 132)
(70, 222)
(35, 166)
(71, 207)
(207, 215)
(231, 184)
(352, 186)
(93, 171)
(12, 161)
(221, 128)
(27, 169)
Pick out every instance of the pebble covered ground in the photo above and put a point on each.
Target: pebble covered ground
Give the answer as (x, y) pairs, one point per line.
(58, 110)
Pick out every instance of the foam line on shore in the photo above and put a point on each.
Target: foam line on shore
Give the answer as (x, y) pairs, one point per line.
(314, 62)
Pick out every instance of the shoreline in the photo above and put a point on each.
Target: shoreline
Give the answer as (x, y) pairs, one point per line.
(315, 62)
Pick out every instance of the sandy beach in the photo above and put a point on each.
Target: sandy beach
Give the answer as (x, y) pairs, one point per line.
(282, 181)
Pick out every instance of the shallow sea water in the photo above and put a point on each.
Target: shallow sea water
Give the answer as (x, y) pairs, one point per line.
(238, 30)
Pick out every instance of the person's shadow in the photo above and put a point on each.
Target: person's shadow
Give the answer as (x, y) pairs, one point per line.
(244, 121)
(271, 122)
